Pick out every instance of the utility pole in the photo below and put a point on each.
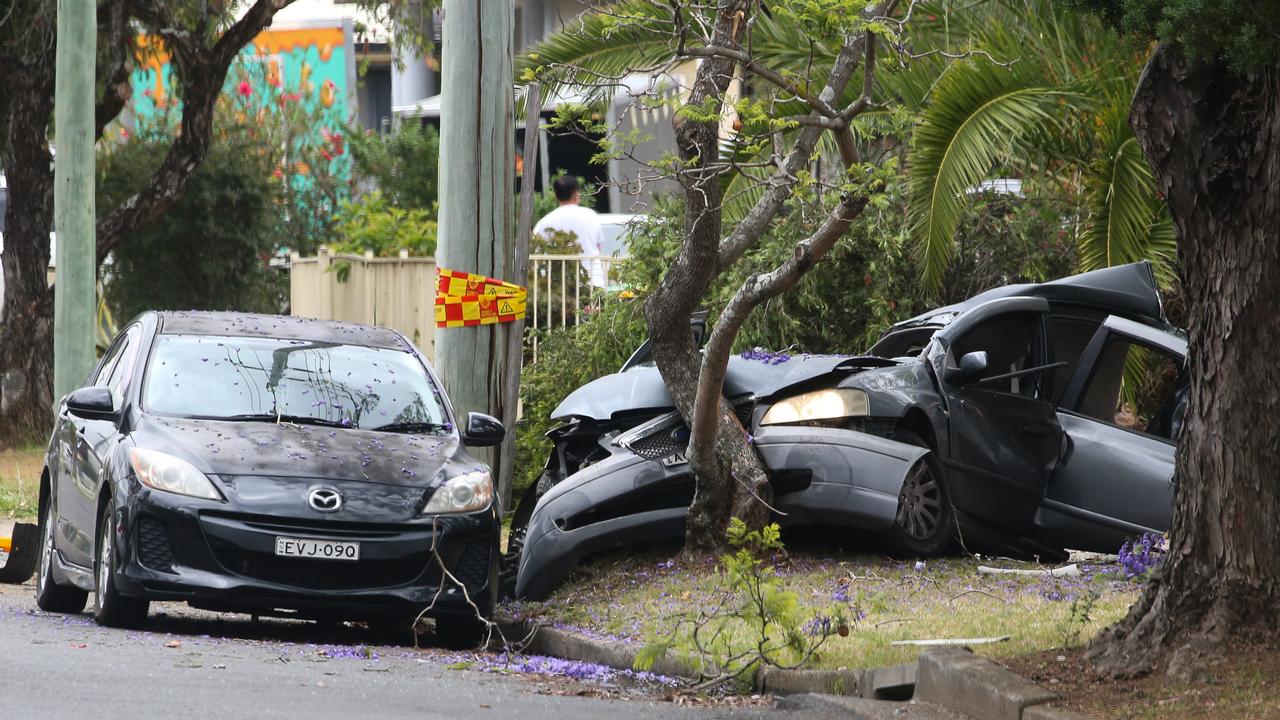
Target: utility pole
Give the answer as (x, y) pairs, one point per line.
(477, 202)
(74, 301)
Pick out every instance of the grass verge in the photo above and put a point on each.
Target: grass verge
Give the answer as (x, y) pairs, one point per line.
(635, 596)
(20, 482)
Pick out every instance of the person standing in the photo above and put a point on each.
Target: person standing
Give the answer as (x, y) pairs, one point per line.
(571, 217)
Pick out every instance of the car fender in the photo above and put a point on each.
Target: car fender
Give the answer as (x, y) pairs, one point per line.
(855, 477)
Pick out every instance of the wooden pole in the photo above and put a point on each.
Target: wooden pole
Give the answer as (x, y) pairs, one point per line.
(74, 300)
(518, 272)
(477, 198)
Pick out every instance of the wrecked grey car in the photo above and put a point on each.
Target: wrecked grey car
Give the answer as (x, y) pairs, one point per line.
(999, 423)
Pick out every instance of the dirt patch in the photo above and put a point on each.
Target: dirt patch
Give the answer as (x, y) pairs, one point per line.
(20, 482)
(1245, 685)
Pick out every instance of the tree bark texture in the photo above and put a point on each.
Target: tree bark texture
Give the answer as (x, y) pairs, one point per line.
(1213, 138)
(26, 324)
(670, 307)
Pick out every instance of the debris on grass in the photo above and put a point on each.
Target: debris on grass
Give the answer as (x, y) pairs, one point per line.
(1072, 570)
(953, 642)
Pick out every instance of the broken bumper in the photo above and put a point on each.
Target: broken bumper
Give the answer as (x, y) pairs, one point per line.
(847, 479)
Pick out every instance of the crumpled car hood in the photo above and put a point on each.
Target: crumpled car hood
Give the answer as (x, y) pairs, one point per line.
(641, 387)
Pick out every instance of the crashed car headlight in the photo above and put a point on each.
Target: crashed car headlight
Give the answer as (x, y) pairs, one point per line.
(462, 493)
(159, 471)
(818, 405)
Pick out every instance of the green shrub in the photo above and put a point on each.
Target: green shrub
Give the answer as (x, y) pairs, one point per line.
(209, 250)
(373, 223)
(403, 164)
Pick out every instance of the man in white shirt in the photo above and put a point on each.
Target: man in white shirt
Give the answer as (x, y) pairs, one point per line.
(578, 221)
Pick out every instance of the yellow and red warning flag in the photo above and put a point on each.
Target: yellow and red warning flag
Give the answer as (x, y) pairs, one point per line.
(464, 300)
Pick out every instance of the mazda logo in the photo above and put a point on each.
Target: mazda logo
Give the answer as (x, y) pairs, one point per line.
(325, 500)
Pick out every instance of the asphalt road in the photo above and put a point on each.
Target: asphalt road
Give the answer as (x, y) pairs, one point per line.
(194, 664)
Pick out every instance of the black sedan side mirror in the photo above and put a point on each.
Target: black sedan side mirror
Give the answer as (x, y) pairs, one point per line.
(483, 431)
(972, 365)
(92, 403)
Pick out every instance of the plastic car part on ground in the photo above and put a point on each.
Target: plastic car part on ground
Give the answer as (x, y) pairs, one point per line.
(18, 554)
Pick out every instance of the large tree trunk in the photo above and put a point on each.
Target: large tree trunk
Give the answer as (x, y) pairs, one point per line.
(730, 468)
(1213, 138)
(26, 326)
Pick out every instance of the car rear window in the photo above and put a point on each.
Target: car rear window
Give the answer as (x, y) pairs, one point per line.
(225, 377)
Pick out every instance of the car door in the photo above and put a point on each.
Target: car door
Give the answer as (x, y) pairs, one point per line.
(1116, 479)
(88, 442)
(1004, 436)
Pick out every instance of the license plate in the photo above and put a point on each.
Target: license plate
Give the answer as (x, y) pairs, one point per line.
(674, 459)
(318, 549)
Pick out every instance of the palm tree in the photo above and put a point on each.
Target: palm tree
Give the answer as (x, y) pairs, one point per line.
(1046, 93)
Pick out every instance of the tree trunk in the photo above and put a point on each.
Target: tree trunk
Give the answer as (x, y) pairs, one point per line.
(1213, 138)
(26, 326)
(719, 494)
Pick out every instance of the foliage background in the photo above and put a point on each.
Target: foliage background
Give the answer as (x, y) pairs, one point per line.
(209, 250)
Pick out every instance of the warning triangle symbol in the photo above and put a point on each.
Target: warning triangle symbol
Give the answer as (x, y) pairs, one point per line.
(506, 308)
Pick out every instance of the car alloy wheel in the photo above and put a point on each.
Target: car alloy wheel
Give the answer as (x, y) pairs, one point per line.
(50, 596)
(110, 608)
(925, 521)
(920, 503)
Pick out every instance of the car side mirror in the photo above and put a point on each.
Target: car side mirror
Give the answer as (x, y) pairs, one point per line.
(972, 366)
(483, 431)
(92, 403)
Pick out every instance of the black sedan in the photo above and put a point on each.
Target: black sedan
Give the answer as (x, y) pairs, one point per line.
(268, 465)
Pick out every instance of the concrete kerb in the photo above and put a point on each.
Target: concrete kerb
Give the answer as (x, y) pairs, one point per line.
(878, 683)
(950, 678)
(957, 679)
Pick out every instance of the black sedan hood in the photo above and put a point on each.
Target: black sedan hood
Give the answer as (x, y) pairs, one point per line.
(302, 451)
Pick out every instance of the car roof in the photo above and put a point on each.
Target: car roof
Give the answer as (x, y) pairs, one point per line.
(284, 327)
(1125, 290)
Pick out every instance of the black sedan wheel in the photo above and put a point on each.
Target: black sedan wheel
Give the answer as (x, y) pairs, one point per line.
(110, 608)
(50, 596)
(925, 520)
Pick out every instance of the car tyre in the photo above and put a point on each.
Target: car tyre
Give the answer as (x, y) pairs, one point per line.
(50, 595)
(110, 608)
(925, 521)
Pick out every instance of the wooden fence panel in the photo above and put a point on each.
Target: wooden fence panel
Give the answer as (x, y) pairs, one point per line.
(398, 293)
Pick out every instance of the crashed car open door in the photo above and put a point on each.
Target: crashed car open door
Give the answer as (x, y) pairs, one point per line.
(994, 364)
(1115, 481)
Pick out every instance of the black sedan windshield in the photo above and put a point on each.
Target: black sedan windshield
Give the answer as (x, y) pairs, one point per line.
(241, 378)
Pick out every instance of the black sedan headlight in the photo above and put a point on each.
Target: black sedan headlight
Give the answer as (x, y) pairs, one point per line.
(160, 471)
(830, 404)
(468, 492)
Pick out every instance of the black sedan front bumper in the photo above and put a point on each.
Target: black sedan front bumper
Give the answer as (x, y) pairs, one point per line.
(214, 558)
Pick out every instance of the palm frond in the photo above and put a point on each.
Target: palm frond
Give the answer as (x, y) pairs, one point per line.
(980, 114)
(1127, 221)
